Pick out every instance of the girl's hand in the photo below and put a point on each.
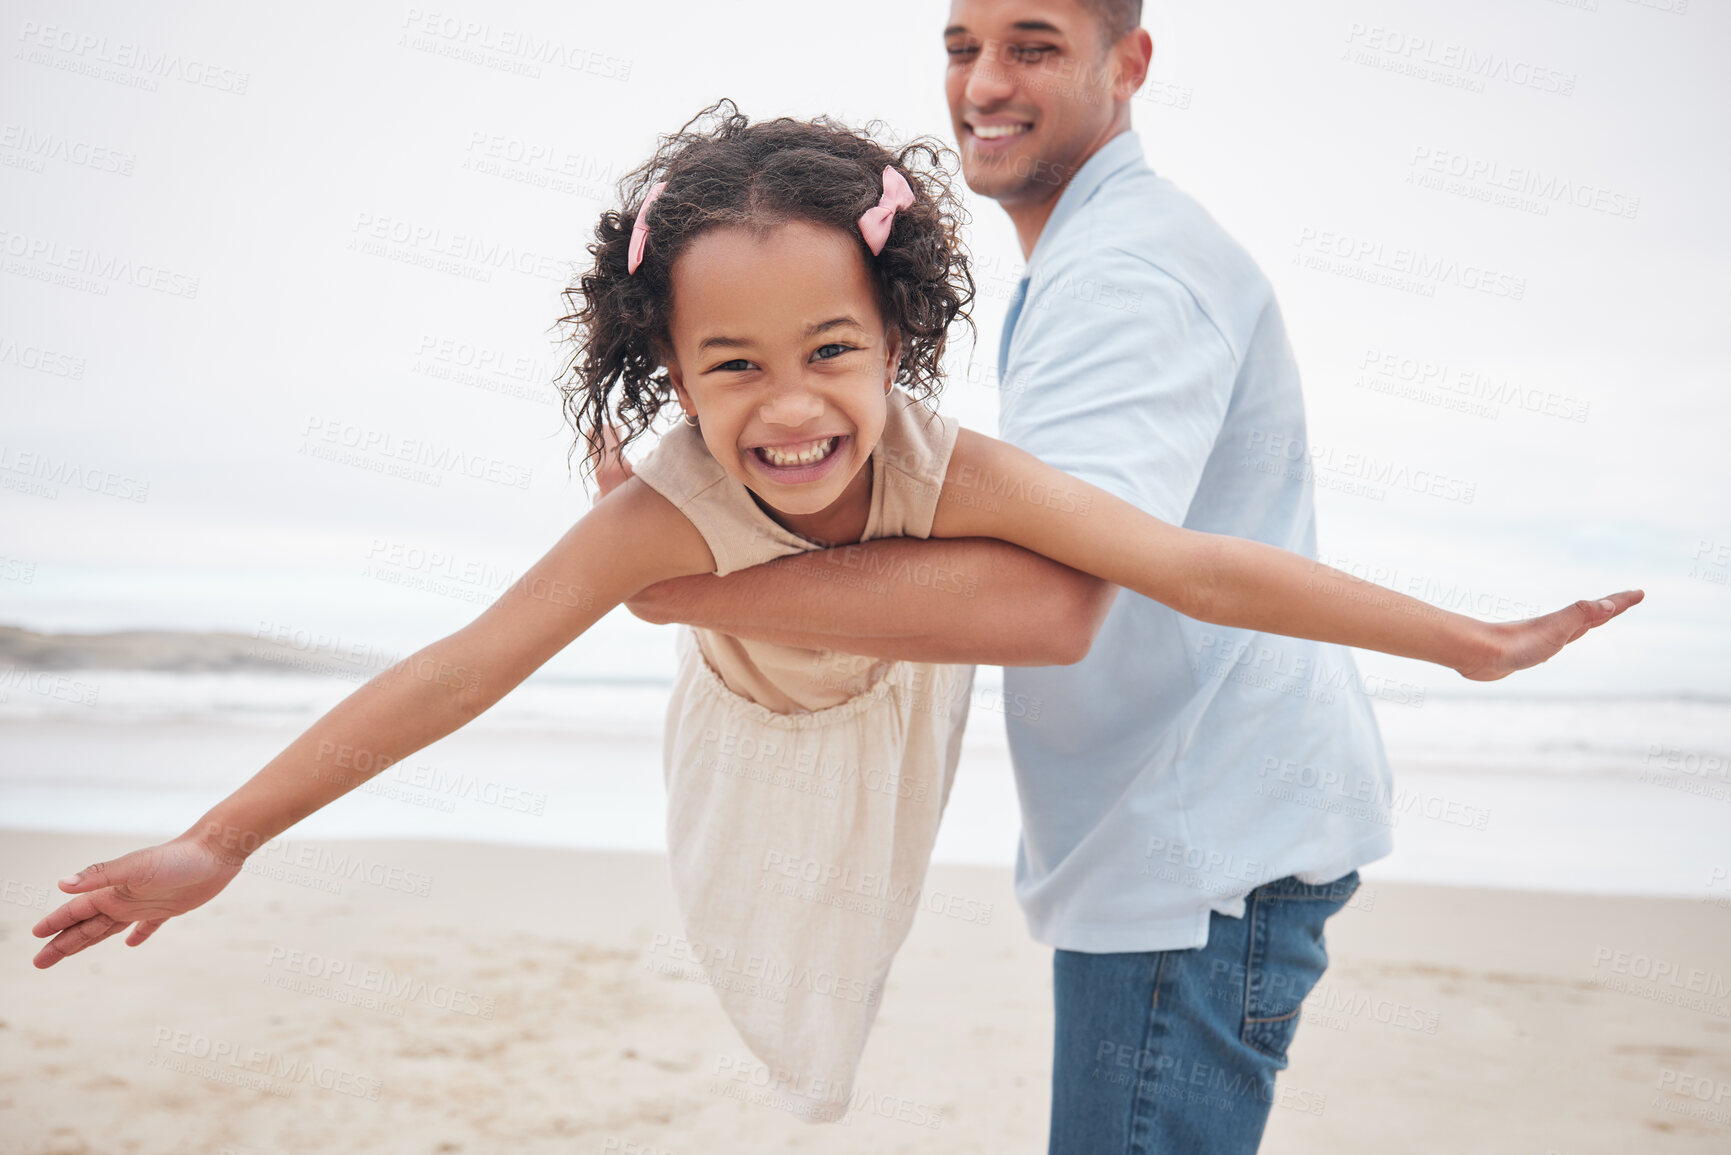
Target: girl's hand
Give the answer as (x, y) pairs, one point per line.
(1517, 645)
(146, 887)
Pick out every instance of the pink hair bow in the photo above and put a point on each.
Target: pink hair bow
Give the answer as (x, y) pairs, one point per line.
(875, 224)
(640, 230)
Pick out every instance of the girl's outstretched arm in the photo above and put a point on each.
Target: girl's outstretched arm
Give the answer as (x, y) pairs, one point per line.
(630, 540)
(993, 489)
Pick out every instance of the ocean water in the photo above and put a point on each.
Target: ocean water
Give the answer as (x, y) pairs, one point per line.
(1624, 796)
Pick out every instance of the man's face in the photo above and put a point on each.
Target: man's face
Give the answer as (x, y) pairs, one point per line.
(1030, 86)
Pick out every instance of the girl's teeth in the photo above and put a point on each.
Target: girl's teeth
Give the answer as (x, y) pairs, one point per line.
(818, 451)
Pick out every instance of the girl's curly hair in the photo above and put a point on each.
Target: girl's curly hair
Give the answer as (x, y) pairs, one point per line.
(722, 170)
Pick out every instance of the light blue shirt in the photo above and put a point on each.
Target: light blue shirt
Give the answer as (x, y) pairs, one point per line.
(1181, 764)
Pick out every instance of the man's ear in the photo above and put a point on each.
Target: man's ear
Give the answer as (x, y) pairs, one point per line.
(1135, 52)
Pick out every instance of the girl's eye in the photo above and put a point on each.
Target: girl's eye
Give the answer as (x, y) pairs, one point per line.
(736, 365)
(839, 350)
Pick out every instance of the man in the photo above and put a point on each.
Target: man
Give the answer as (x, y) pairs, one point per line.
(1195, 800)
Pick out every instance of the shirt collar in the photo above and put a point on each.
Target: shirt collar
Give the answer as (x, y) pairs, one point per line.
(1108, 160)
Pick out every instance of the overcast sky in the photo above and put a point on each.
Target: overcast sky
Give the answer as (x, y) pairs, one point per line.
(228, 232)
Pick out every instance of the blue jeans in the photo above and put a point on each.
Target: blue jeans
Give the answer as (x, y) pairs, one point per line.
(1174, 1052)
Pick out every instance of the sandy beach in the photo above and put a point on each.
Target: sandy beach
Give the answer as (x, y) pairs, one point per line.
(536, 1000)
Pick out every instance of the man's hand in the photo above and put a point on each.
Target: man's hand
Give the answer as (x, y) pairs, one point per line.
(611, 473)
(1517, 645)
(146, 887)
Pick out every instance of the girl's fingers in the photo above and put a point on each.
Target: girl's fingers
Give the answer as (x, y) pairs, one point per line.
(109, 933)
(1619, 602)
(137, 868)
(142, 931)
(92, 877)
(78, 910)
(74, 939)
(1593, 614)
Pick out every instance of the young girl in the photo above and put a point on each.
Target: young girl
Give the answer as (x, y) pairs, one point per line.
(797, 281)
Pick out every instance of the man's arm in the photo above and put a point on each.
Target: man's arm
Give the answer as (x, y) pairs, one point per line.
(904, 599)
(901, 598)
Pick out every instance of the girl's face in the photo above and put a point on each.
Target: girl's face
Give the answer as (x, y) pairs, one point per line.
(779, 352)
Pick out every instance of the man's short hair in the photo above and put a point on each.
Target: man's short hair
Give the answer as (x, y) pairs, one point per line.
(1116, 17)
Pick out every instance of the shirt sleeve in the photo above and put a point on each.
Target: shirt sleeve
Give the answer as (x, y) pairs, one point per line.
(1117, 376)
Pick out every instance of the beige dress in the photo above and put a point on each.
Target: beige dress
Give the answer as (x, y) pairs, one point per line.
(805, 786)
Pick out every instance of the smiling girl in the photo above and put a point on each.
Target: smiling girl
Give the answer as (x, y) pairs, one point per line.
(789, 286)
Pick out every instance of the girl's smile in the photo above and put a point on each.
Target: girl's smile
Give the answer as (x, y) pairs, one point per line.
(800, 461)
